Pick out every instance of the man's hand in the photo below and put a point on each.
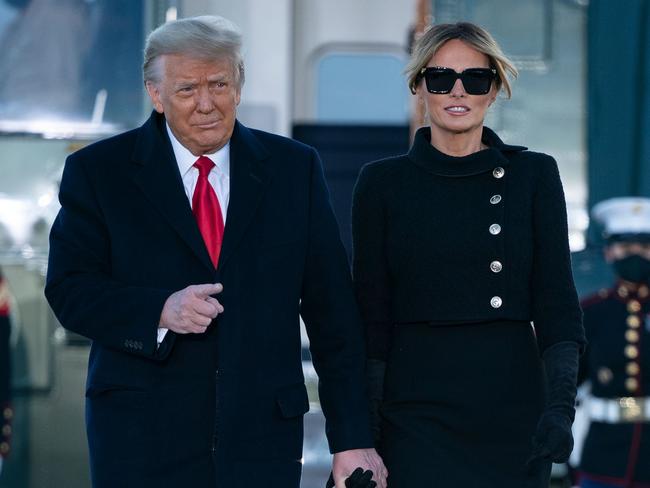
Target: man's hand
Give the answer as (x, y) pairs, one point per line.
(191, 310)
(345, 462)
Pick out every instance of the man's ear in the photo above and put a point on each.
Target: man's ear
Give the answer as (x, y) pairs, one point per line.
(153, 89)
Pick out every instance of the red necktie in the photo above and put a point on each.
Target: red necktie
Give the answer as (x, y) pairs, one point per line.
(207, 211)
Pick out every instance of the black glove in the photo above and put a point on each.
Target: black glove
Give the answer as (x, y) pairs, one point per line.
(375, 372)
(358, 479)
(553, 439)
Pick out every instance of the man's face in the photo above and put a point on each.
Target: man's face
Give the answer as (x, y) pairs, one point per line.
(199, 99)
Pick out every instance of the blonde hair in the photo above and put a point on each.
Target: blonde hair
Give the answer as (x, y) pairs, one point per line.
(472, 34)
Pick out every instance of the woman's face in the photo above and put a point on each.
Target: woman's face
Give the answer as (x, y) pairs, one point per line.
(456, 112)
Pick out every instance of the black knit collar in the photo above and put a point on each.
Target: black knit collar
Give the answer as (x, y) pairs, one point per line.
(425, 155)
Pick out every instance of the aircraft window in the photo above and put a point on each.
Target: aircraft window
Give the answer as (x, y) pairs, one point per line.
(361, 88)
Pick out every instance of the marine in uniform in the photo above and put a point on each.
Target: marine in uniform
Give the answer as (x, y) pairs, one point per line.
(616, 451)
(6, 412)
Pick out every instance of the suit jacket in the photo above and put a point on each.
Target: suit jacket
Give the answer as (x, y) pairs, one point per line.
(226, 405)
(450, 240)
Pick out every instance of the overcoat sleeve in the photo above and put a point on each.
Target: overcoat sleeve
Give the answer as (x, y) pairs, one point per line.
(333, 325)
(79, 287)
(370, 266)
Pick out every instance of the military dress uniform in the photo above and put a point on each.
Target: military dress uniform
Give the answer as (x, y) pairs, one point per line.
(617, 363)
(616, 451)
(6, 412)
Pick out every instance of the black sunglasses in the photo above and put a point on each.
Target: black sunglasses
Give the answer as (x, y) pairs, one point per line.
(476, 81)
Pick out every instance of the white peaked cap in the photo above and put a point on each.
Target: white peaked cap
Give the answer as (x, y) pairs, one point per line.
(623, 215)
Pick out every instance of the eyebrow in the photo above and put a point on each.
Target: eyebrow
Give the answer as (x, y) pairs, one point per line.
(219, 77)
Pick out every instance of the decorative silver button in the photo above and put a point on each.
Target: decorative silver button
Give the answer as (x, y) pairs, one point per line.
(495, 199)
(495, 229)
(496, 302)
(498, 172)
(496, 266)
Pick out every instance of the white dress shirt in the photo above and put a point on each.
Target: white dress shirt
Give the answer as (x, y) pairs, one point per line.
(219, 179)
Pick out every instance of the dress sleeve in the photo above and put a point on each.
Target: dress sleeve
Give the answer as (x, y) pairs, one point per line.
(370, 267)
(556, 311)
(332, 323)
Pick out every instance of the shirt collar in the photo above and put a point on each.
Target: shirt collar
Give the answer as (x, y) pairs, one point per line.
(185, 159)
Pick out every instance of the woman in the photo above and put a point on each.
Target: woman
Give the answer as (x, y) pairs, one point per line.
(458, 246)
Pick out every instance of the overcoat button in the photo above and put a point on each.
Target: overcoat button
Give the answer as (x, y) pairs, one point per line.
(498, 172)
(495, 229)
(495, 199)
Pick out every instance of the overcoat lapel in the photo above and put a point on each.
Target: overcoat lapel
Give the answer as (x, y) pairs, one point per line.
(156, 173)
(248, 178)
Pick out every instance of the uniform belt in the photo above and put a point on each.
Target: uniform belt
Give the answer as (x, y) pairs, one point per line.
(619, 410)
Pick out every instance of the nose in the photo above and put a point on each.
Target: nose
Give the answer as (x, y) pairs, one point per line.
(204, 102)
(458, 90)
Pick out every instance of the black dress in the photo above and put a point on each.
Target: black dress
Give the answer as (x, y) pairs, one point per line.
(453, 260)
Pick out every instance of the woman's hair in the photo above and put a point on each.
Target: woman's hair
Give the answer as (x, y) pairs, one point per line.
(472, 34)
(208, 37)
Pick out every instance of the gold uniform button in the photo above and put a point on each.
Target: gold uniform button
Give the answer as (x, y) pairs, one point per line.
(631, 352)
(633, 306)
(632, 368)
(631, 335)
(8, 413)
(4, 448)
(622, 292)
(631, 384)
(633, 321)
(6, 430)
(498, 172)
(605, 375)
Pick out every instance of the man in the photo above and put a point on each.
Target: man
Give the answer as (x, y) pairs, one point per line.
(617, 446)
(6, 412)
(185, 250)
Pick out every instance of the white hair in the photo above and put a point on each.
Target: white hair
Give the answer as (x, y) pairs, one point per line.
(208, 37)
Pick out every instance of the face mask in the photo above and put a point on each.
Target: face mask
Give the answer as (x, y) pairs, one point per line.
(633, 268)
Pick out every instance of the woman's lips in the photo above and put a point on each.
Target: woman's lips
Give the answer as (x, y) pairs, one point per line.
(457, 110)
